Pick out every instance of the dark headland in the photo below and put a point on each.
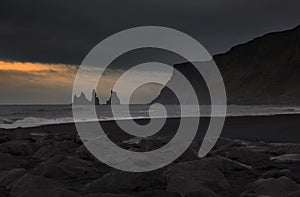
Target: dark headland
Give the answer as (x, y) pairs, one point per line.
(262, 71)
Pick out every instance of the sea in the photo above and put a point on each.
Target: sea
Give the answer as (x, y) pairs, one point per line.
(14, 116)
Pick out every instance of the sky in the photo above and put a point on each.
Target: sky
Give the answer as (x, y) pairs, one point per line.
(42, 42)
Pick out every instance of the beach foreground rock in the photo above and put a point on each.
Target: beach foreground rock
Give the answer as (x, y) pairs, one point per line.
(118, 182)
(272, 187)
(9, 162)
(60, 166)
(195, 175)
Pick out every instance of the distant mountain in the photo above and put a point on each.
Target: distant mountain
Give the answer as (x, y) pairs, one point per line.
(265, 70)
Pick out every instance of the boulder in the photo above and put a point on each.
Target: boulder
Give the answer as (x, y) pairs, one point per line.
(120, 182)
(294, 194)
(222, 144)
(158, 194)
(190, 154)
(144, 144)
(224, 164)
(237, 174)
(143, 194)
(226, 143)
(18, 147)
(272, 187)
(248, 156)
(70, 166)
(51, 149)
(202, 192)
(4, 138)
(54, 192)
(287, 158)
(44, 138)
(29, 183)
(47, 152)
(8, 178)
(284, 148)
(4, 192)
(84, 153)
(108, 195)
(67, 146)
(290, 162)
(84, 167)
(191, 176)
(78, 140)
(295, 170)
(278, 173)
(53, 171)
(65, 137)
(76, 161)
(8, 162)
(55, 159)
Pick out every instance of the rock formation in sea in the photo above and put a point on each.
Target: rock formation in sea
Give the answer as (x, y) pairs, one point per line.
(264, 70)
(82, 100)
(113, 99)
(95, 99)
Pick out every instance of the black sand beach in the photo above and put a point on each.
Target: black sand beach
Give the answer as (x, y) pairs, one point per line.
(258, 155)
(275, 128)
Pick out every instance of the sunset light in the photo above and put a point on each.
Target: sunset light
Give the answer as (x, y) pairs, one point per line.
(31, 67)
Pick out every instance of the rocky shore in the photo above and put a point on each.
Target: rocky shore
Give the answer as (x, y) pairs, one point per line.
(57, 164)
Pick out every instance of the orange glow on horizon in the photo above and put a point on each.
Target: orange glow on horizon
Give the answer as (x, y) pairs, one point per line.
(53, 83)
(30, 67)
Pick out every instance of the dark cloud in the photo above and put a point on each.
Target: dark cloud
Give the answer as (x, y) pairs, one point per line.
(55, 31)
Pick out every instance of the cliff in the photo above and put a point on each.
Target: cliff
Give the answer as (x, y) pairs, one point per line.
(264, 70)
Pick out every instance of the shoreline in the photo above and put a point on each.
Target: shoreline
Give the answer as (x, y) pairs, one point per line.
(274, 128)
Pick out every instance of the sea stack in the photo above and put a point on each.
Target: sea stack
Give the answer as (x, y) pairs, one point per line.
(82, 100)
(95, 98)
(113, 99)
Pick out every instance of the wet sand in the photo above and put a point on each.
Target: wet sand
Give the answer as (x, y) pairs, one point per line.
(277, 128)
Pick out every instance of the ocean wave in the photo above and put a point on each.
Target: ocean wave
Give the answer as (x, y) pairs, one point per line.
(12, 122)
(33, 122)
(6, 121)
